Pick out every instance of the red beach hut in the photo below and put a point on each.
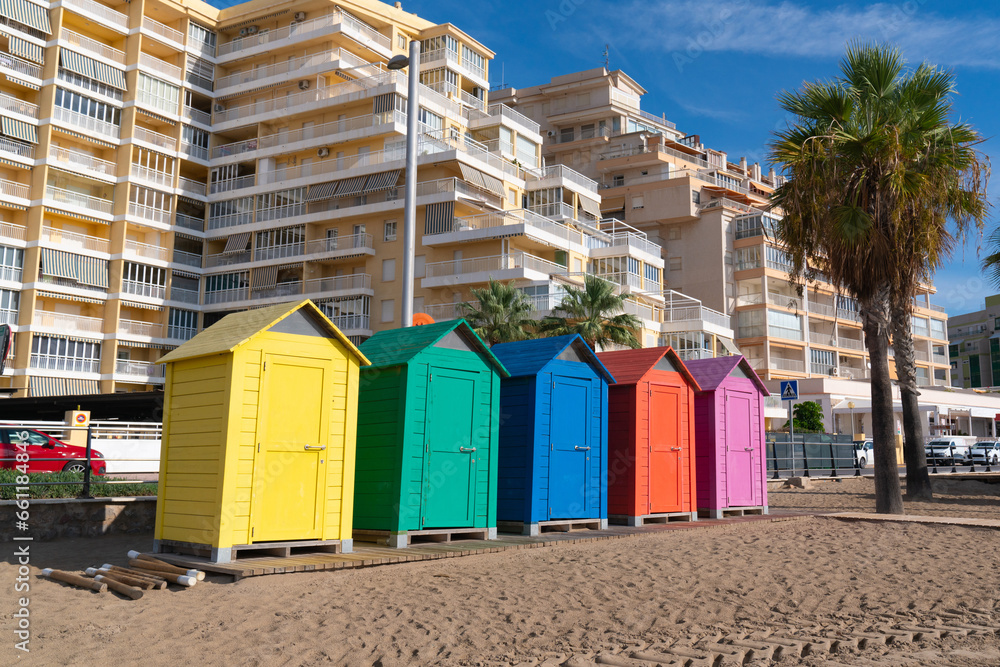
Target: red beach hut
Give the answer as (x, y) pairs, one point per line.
(651, 467)
(729, 437)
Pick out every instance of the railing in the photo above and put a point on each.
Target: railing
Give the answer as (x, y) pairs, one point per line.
(193, 150)
(92, 45)
(14, 105)
(160, 178)
(472, 101)
(154, 138)
(12, 189)
(727, 203)
(46, 362)
(191, 186)
(139, 328)
(166, 32)
(143, 369)
(564, 172)
(294, 66)
(816, 368)
(822, 309)
(232, 184)
(227, 259)
(636, 241)
(792, 365)
(17, 148)
(516, 117)
(157, 102)
(351, 322)
(514, 217)
(190, 222)
(183, 295)
(86, 123)
(198, 116)
(21, 66)
(348, 24)
(227, 295)
(83, 160)
(115, 19)
(354, 281)
(291, 288)
(340, 243)
(9, 231)
(279, 251)
(939, 358)
(658, 119)
(71, 240)
(182, 333)
(852, 315)
(150, 213)
(10, 273)
(850, 343)
(160, 66)
(145, 250)
(784, 332)
(144, 289)
(561, 210)
(494, 263)
(61, 196)
(68, 323)
(186, 258)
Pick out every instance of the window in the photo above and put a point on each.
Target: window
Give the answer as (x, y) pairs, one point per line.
(87, 106)
(158, 94)
(88, 84)
(62, 354)
(618, 180)
(674, 263)
(281, 204)
(637, 201)
(388, 270)
(696, 196)
(674, 233)
(277, 243)
(144, 280)
(527, 152)
(749, 323)
(755, 224)
(748, 258)
(919, 326)
(388, 310)
(938, 330)
(230, 212)
(419, 264)
(475, 63)
(565, 135)
(776, 258)
(587, 131)
(201, 38)
(431, 121)
(389, 232)
(11, 261)
(784, 325)
(652, 274)
(182, 324)
(200, 72)
(358, 233)
(401, 41)
(331, 238)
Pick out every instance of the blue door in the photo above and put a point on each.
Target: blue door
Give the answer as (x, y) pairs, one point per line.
(569, 456)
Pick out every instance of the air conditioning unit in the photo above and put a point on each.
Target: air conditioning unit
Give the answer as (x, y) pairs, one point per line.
(300, 16)
(323, 152)
(219, 108)
(243, 32)
(551, 133)
(251, 29)
(304, 84)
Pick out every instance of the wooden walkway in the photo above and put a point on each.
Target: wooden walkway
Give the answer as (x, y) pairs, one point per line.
(366, 554)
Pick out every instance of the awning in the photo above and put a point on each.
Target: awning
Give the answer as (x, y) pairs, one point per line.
(28, 13)
(145, 306)
(730, 346)
(22, 82)
(58, 263)
(265, 277)
(112, 76)
(351, 186)
(471, 175)
(185, 274)
(27, 50)
(85, 137)
(383, 181)
(321, 191)
(18, 129)
(439, 218)
(68, 297)
(156, 116)
(76, 62)
(46, 386)
(590, 206)
(237, 243)
(93, 271)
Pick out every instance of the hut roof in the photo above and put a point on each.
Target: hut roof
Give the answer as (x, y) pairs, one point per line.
(710, 373)
(236, 329)
(399, 346)
(629, 366)
(528, 357)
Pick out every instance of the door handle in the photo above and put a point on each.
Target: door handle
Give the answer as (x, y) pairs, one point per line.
(675, 449)
(467, 450)
(581, 449)
(315, 448)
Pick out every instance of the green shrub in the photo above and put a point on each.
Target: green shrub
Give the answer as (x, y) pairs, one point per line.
(72, 485)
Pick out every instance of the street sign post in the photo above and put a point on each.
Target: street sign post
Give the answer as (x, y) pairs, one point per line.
(790, 392)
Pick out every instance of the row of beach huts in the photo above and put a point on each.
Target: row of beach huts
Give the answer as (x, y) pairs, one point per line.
(279, 432)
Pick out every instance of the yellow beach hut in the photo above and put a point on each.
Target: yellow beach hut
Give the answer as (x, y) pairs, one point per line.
(259, 424)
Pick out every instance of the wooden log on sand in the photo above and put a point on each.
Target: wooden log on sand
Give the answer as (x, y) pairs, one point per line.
(134, 573)
(163, 566)
(74, 579)
(145, 566)
(144, 584)
(117, 586)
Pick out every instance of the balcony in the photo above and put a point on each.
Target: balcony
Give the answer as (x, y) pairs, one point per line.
(143, 370)
(439, 57)
(87, 124)
(557, 173)
(850, 344)
(503, 224)
(11, 274)
(20, 107)
(140, 328)
(147, 290)
(183, 295)
(352, 322)
(9, 231)
(519, 122)
(149, 213)
(482, 269)
(173, 37)
(93, 46)
(159, 104)
(12, 190)
(67, 364)
(194, 151)
(84, 161)
(71, 241)
(187, 258)
(823, 369)
(154, 138)
(232, 184)
(196, 115)
(295, 68)
(789, 365)
(353, 245)
(79, 200)
(190, 222)
(20, 66)
(338, 21)
(181, 333)
(11, 147)
(159, 66)
(65, 323)
(105, 15)
(191, 187)
(157, 178)
(228, 259)
(145, 251)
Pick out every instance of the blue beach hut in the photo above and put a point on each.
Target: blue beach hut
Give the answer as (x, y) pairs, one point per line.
(553, 458)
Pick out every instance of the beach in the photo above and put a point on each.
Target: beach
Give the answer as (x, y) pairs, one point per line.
(568, 604)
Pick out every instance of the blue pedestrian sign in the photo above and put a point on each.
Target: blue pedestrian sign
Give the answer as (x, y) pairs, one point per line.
(789, 390)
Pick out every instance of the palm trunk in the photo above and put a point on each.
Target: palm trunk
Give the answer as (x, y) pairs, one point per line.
(888, 497)
(918, 481)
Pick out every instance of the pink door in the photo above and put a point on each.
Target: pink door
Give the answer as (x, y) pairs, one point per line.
(665, 449)
(740, 490)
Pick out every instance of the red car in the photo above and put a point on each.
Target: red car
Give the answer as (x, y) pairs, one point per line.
(62, 457)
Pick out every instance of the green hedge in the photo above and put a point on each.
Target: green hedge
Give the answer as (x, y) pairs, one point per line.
(98, 487)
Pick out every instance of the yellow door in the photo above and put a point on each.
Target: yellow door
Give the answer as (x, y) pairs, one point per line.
(291, 461)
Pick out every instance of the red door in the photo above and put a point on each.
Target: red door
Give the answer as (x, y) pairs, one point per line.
(665, 405)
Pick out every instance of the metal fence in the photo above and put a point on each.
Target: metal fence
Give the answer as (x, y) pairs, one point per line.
(805, 453)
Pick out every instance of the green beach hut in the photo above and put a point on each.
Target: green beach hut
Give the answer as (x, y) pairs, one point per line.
(428, 411)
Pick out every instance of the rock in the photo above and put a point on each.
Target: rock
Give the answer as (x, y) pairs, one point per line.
(798, 483)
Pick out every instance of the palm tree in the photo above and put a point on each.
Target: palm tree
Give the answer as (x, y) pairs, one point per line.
(851, 170)
(596, 313)
(502, 314)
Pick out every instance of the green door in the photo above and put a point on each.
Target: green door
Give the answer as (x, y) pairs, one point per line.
(452, 449)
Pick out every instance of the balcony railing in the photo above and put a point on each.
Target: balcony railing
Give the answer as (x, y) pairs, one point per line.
(183, 295)
(68, 323)
(93, 46)
(11, 274)
(351, 282)
(187, 258)
(494, 263)
(348, 24)
(141, 369)
(232, 184)
(145, 250)
(190, 222)
(564, 172)
(154, 138)
(191, 186)
(21, 66)
(114, 20)
(69, 364)
(144, 289)
(73, 241)
(198, 116)
(14, 105)
(61, 196)
(9, 231)
(339, 244)
(516, 117)
(850, 343)
(181, 333)
(156, 102)
(150, 213)
(160, 178)
(17, 148)
(293, 67)
(193, 150)
(792, 365)
(351, 322)
(160, 66)
(83, 161)
(166, 32)
(637, 241)
(139, 328)
(86, 123)
(228, 259)
(12, 189)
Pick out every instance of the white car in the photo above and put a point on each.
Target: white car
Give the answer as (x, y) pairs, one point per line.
(947, 451)
(985, 453)
(863, 454)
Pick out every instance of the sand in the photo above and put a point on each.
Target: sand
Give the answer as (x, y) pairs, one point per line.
(566, 604)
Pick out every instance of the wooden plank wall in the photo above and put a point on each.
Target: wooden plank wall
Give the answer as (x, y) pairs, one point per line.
(622, 444)
(710, 447)
(517, 446)
(380, 426)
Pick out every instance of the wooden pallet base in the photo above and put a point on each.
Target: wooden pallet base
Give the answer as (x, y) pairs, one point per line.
(401, 540)
(238, 551)
(727, 512)
(645, 519)
(554, 526)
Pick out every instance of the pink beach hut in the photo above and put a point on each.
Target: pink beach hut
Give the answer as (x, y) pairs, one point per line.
(730, 458)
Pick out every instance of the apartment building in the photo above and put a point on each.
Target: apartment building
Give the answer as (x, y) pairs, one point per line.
(165, 163)
(709, 215)
(974, 346)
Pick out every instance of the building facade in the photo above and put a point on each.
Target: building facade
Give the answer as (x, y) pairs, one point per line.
(974, 346)
(710, 216)
(165, 163)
